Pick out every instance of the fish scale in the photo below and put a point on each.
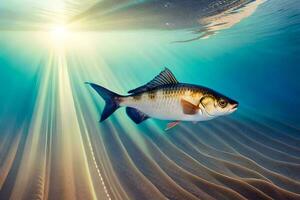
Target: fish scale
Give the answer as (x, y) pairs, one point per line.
(166, 104)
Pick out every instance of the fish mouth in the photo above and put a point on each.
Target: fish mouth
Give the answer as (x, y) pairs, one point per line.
(234, 107)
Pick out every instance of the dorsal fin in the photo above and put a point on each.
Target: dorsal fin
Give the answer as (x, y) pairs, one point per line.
(165, 77)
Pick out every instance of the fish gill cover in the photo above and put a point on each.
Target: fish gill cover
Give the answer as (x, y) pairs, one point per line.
(53, 147)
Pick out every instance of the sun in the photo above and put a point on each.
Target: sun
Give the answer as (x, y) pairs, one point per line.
(59, 33)
(61, 36)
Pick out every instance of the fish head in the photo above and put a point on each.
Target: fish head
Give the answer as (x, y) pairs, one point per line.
(217, 105)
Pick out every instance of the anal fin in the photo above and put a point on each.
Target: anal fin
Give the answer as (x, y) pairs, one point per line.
(136, 115)
(171, 125)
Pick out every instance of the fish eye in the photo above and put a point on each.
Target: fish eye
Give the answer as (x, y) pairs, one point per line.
(222, 103)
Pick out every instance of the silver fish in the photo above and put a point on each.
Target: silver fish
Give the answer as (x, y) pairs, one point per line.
(167, 99)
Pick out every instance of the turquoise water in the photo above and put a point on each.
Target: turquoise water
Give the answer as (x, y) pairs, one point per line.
(52, 146)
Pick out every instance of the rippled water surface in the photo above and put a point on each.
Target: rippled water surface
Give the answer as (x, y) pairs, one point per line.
(53, 147)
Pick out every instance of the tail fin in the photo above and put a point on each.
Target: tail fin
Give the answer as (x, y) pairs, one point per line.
(111, 100)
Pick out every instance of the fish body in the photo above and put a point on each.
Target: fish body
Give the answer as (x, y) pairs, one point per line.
(165, 102)
(167, 99)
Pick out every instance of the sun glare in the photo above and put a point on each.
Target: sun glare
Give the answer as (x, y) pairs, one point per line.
(59, 34)
(62, 37)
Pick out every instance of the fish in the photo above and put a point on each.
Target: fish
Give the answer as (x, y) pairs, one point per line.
(165, 98)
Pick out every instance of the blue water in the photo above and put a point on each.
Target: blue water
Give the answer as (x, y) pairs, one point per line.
(49, 117)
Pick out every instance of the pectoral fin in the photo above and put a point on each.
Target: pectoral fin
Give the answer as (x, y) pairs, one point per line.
(171, 125)
(189, 108)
